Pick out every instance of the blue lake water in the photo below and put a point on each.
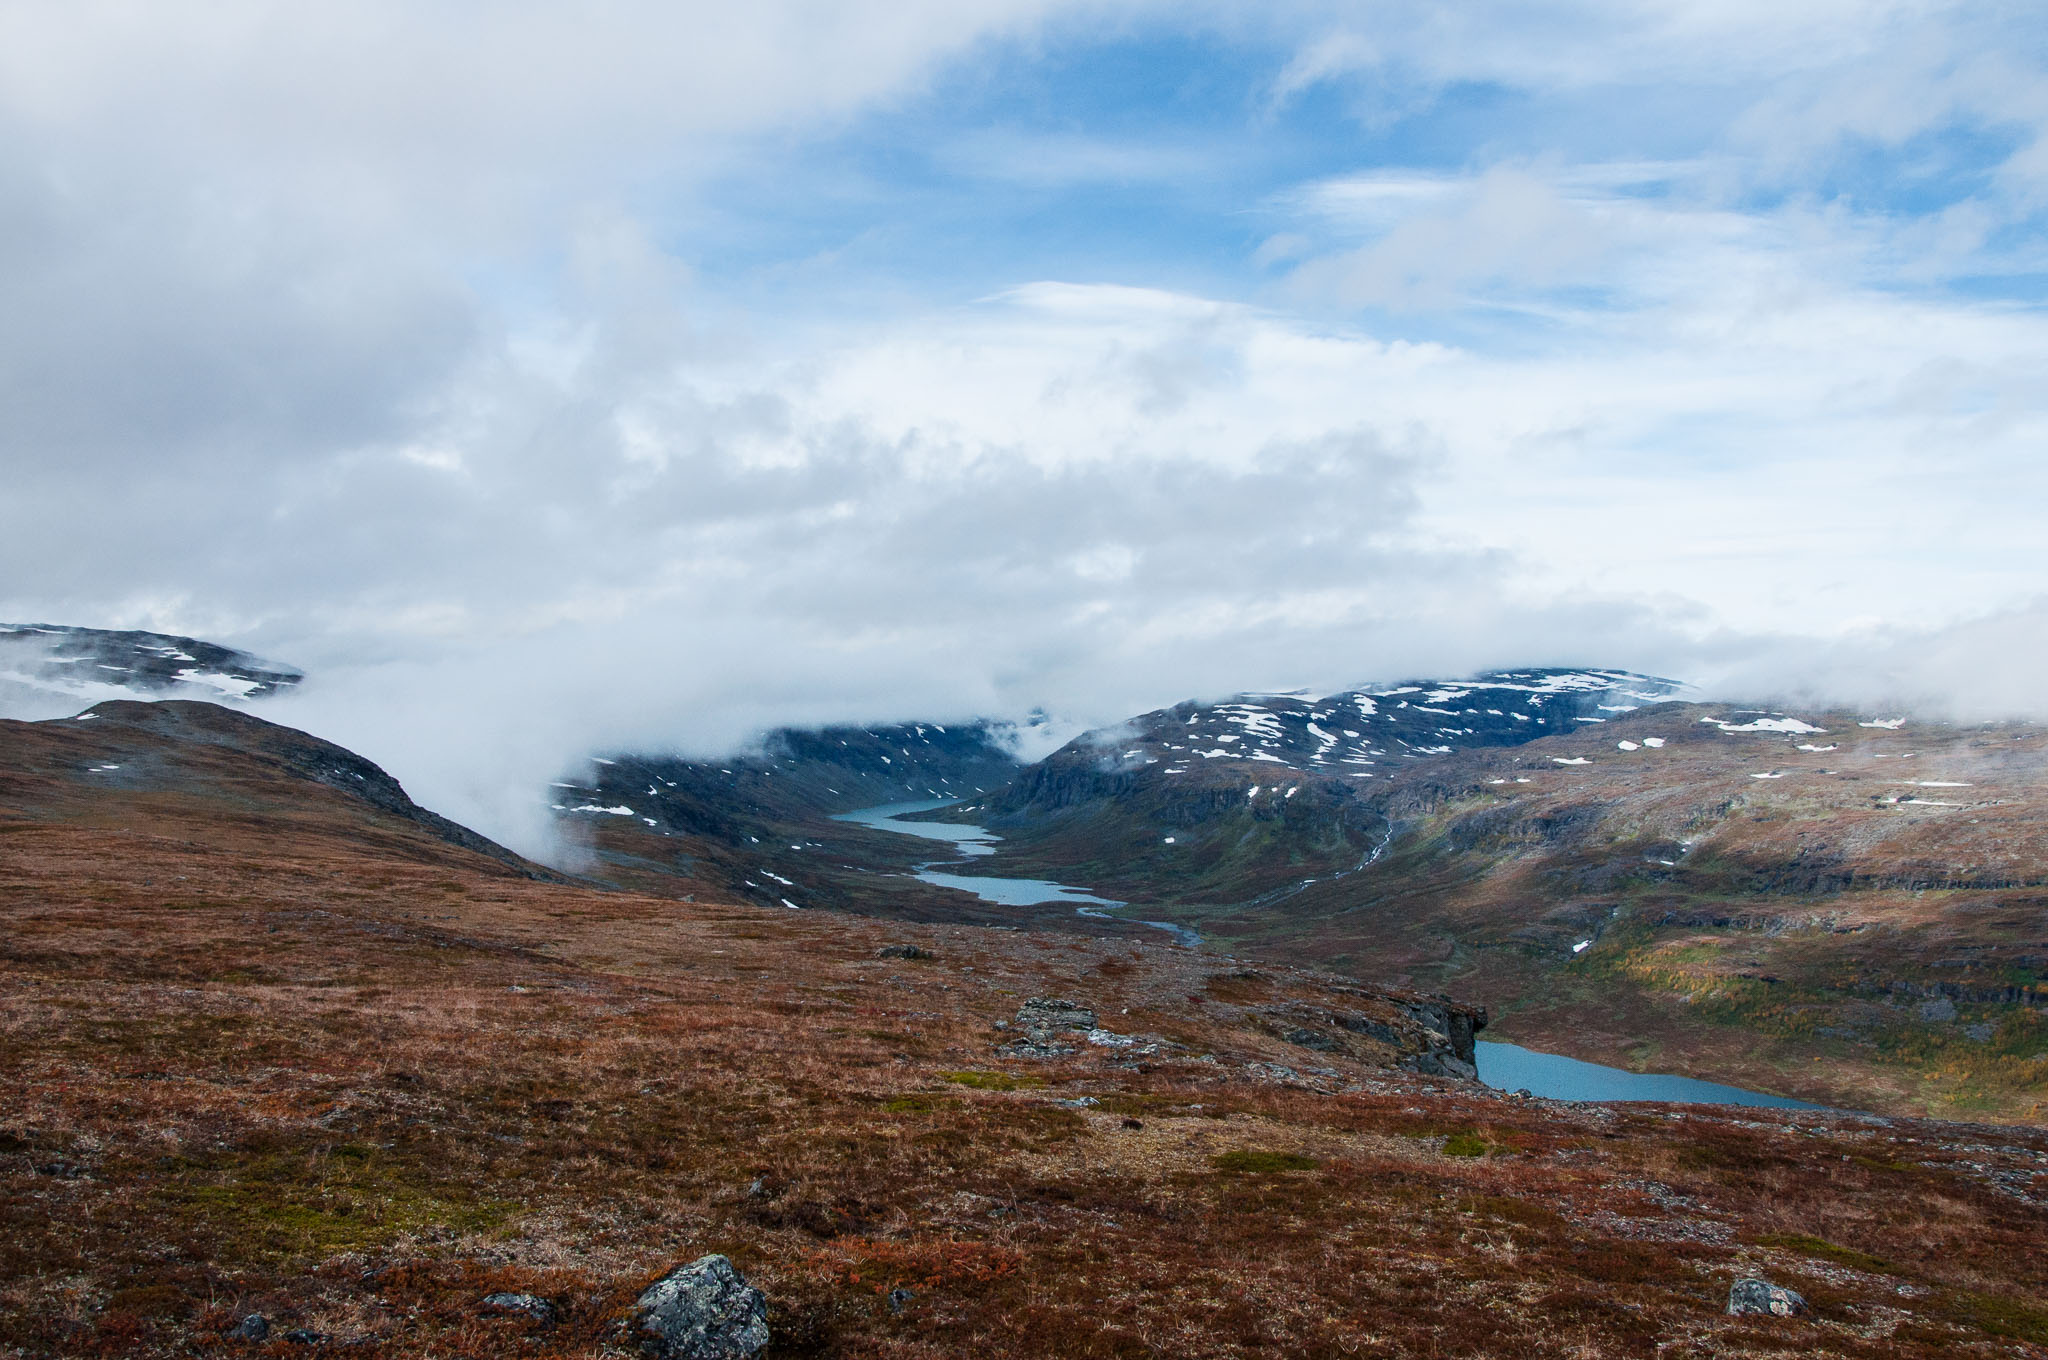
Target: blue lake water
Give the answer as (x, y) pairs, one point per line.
(968, 841)
(1508, 1067)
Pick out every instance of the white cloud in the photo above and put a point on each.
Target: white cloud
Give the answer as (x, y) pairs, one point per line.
(1504, 226)
(361, 335)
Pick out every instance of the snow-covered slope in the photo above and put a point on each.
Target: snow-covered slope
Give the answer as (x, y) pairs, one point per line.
(1367, 732)
(51, 671)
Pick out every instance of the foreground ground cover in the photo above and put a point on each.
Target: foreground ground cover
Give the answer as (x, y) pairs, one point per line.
(263, 1052)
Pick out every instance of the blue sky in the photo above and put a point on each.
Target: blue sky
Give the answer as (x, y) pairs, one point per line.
(672, 370)
(1165, 154)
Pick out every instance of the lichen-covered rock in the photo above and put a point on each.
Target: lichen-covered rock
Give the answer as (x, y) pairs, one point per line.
(1051, 1013)
(1047, 1022)
(1439, 1062)
(532, 1305)
(1754, 1297)
(701, 1311)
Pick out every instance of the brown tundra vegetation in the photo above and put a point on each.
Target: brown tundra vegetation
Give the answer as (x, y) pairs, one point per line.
(274, 1044)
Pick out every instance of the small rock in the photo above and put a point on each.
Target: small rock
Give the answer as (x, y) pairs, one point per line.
(254, 1327)
(1053, 1014)
(532, 1305)
(701, 1311)
(1031, 1048)
(899, 1297)
(300, 1336)
(904, 951)
(1754, 1297)
(1134, 1123)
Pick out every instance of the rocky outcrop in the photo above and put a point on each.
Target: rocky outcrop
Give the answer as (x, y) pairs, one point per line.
(701, 1311)
(1455, 1027)
(527, 1305)
(1429, 1034)
(1752, 1297)
(1046, 1024)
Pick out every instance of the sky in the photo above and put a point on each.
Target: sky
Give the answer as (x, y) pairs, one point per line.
(545, 379)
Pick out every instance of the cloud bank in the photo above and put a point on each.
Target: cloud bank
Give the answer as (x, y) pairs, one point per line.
(543, 384)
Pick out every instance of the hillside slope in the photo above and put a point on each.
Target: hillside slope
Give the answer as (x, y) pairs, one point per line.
(1831, 905)
(268, 1048)
(180, 767)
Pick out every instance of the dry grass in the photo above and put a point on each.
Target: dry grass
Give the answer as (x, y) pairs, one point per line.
(356, 1083)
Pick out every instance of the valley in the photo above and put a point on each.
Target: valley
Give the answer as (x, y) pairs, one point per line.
(279, 1045)
(1853, 914)
(1841, 907)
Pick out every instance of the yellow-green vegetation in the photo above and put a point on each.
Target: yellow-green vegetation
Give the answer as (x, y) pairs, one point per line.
(995, 1081)
(1824, 1250)
(1466, 1145)
(288, 1205)
(1987, 1058)
(2020, 1319)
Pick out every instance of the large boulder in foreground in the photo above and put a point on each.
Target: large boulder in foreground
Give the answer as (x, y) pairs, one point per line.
(701, 1311)
(1760, 1298)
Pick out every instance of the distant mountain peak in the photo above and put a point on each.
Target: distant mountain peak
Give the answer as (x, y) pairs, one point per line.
(53, 670)
(1362, 732)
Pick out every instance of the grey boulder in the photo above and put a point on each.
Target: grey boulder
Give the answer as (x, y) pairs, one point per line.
(1052, 1014)
(532, 1305)
(701, 1311)
(1047, 1023)
(1753, 1297)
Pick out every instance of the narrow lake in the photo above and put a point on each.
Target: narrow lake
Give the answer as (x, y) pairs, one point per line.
(1507, 1067)
(970, 841)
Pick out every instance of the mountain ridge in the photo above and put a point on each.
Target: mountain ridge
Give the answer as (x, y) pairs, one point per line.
(54, 670)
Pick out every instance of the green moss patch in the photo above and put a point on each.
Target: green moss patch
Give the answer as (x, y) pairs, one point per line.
(1466, 1145)
(994, 1081)
(1829, 1251)
(299, 1205)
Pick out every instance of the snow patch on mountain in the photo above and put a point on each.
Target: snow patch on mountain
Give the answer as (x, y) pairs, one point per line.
(53, 671)
(1365, 727)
